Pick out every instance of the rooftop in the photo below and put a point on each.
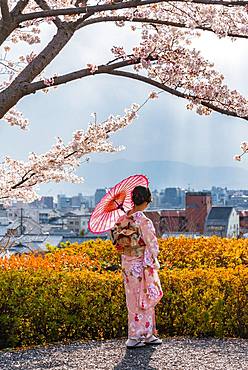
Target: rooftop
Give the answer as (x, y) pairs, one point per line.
(200, 193)
(173, 213)
(218, 213)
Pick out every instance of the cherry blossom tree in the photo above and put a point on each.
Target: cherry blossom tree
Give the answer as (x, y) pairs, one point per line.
(163, 58)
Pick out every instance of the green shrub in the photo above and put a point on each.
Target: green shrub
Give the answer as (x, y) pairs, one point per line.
(37, 307)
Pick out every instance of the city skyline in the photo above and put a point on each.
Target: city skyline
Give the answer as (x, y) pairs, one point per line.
(224, 196)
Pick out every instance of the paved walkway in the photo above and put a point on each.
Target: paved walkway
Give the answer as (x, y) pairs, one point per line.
(173, 354)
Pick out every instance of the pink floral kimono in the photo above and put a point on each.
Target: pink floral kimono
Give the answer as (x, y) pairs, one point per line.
(134, 236)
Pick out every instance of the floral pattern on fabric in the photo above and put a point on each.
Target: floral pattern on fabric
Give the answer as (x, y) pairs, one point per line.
(126, 234)
(149, 236)
(140, 274)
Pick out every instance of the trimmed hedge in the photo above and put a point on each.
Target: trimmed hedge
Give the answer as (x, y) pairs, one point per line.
(203, 252)
(37, 307)
(99, 255)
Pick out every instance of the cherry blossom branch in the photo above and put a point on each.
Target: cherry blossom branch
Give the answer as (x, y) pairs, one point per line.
(26, 88)
(81, 73)
(122, 5)
(17, 178)
(6, 28)
(8, 67)
(175, 67)
(175, 92)
(244, 148)
(87, 9)
(43, 5)
(152, 22)
(197, 100)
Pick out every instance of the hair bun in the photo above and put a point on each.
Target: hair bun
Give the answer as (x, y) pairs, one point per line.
(140, 195)
(138, 199)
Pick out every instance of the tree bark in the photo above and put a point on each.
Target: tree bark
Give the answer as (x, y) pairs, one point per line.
(5, 10)
(43, 5)
(72, 76)
(17, 89)
(6, 28)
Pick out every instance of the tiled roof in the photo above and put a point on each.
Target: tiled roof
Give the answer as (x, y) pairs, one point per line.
(220, 213)
(243, 213)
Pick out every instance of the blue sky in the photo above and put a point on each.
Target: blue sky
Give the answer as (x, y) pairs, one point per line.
(165, 130)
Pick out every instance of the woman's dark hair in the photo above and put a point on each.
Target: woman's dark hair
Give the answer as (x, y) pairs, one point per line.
(141, 194)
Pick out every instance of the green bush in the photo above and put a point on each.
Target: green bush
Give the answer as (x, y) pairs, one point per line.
(38, 307)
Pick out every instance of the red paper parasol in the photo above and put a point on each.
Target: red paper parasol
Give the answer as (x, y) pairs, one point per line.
(113, 205)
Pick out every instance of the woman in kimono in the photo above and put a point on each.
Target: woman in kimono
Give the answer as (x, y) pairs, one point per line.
(134, 237)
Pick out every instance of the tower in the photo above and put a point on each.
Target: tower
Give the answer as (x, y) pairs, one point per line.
(198, 205)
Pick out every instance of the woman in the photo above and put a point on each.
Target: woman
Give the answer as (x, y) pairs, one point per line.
(134, 237)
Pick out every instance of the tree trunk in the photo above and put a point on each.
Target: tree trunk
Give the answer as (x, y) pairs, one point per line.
(17, 89)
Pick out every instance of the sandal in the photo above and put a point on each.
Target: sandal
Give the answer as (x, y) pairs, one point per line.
(154, 341)
(137, 344)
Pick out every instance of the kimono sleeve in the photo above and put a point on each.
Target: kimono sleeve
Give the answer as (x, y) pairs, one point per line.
(152, 248)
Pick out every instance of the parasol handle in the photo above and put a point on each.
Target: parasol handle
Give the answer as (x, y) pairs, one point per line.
(120, 206)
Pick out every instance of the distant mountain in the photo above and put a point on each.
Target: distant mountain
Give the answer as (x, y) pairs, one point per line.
(161, 174)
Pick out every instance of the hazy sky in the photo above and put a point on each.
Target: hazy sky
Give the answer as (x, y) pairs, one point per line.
(165, 130)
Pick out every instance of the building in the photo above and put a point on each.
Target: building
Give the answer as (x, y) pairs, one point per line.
(173, 197)
(76, 222)
(99, 194)
(222, 221)
(243, 222)
(88, 201)
(3, 211)
(64, 202)
(47, 202)
(173, 221)
(16, 212)
(45, 215)
(76, 201)
(189, 220)
(238, 199)
(219, 196)
(34, 243)
(198, 206)
(155, 200)
(26, 225)
(5, 224)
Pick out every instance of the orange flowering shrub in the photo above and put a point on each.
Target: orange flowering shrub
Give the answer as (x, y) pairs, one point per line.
(203, 252)
(98, 255)
(94, 255)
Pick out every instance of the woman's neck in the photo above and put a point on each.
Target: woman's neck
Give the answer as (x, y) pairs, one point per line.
(136, 209)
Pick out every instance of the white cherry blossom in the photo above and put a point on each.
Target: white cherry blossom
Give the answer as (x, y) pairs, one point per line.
(163, 58)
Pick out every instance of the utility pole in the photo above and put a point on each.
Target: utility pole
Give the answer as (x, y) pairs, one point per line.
(22, 229)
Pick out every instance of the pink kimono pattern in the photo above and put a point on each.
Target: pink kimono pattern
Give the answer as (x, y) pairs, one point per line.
(142, 285)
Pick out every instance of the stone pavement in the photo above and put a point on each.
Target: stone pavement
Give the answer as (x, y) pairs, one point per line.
(173, 354)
